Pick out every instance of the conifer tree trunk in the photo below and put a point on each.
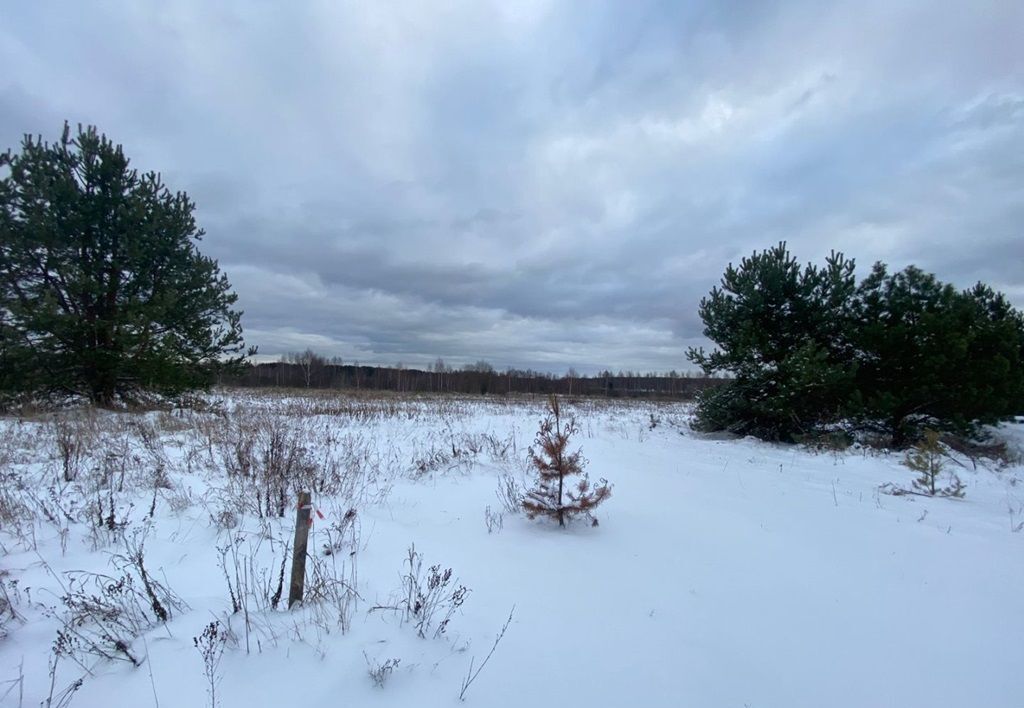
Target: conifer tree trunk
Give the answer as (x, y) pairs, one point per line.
(561, 468)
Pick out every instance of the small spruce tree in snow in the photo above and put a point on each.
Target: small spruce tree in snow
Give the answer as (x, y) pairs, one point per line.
(555, 496)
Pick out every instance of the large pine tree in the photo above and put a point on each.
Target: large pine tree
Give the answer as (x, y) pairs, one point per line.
(809, 347)
(102, 288)
(929, 354)
(782, 336)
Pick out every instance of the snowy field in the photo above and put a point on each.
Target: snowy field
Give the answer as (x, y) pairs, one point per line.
(722, 573)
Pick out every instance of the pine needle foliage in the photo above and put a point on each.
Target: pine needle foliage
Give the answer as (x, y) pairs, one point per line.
(808, 349)
(926, 459)
(554, 496)
(781, 332)
(103, 291)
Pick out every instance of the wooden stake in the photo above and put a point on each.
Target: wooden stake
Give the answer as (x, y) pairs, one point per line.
(302, 523)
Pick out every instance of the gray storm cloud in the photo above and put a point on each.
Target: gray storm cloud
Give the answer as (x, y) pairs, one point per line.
(542, 185)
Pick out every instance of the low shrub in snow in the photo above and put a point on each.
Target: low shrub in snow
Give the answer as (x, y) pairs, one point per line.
(380, 671)
(102, 615)
(429, 599)
(210, 644)
(510, 494)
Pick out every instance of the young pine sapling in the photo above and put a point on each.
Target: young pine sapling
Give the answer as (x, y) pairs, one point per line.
(554, 496)
(926, 459)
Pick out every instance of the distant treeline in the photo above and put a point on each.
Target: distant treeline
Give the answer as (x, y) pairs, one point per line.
(478, 380)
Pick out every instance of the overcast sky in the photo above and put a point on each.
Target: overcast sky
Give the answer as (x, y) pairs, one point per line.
(542, 184)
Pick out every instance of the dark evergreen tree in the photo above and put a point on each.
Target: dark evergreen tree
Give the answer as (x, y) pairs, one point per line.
(102, 288)
(998, 385)
(808, 347)
(782, 335)
(929, 354)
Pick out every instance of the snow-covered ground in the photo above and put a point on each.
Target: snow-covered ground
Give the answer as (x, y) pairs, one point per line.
(723, 572)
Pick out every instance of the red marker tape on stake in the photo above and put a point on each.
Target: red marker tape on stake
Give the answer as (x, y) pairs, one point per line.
(312, 509)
